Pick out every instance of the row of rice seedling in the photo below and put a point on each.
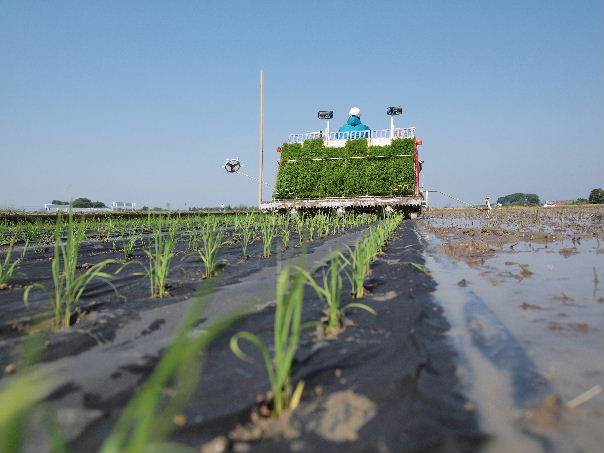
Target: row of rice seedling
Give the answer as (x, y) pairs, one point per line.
(207, 236)
(320, 225)
(364, 252)
(248, 228)
(289, 300)
(307, 228)
(42, 231)
(148, 419)
(288, 317)
(98, 228)
(20, 232)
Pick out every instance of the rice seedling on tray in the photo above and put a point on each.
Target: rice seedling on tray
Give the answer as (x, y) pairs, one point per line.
(360, 170)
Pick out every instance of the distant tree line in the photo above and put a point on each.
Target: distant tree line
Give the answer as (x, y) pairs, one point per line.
(81, 203)
(519, 199)
(596, 196)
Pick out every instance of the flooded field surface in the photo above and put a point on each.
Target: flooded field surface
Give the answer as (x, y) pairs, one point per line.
(522, 289)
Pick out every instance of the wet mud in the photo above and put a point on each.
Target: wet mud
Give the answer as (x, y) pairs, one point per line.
(521, 288)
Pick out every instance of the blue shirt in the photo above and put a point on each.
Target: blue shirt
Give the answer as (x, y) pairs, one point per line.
(353, 124)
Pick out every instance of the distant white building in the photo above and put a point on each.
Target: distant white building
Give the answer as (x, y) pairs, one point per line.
(123, 206)
(55, 207)
(65, 208)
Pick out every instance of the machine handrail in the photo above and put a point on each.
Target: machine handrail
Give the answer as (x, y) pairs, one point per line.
(408, 132)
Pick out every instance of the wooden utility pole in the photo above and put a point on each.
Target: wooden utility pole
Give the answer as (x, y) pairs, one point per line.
(261, 138)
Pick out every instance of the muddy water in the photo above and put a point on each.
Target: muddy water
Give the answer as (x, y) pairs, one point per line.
(529, 322)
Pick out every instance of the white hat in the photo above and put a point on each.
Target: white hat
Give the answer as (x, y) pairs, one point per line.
(355, 111)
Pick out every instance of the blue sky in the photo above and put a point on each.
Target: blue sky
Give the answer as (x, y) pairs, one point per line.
(143, 100)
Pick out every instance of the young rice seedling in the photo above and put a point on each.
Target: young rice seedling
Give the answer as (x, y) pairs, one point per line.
(287, 327)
